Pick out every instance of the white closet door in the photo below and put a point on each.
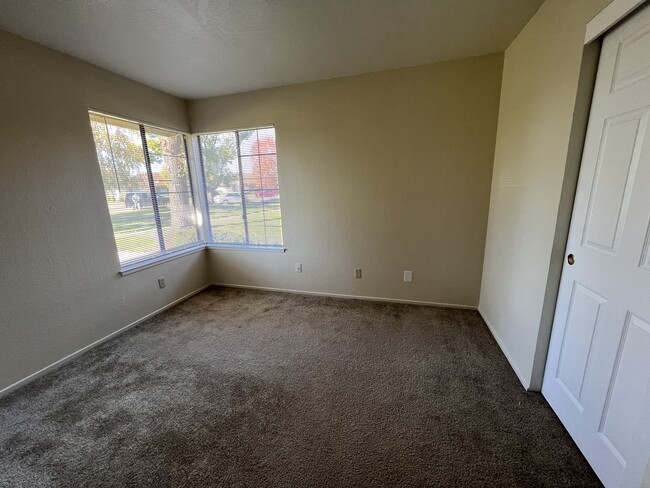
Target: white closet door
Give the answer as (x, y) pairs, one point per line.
(597, 376)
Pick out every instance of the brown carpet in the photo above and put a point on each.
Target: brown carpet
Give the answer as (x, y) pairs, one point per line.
(258, 389)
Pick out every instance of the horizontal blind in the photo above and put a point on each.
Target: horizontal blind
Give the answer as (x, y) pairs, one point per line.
(241, 180)
(147, 186)
(171, 176)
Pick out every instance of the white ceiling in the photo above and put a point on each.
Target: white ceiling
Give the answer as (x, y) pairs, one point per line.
(201, 48)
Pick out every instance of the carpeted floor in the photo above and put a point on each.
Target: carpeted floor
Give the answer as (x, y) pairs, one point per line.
(258, 389)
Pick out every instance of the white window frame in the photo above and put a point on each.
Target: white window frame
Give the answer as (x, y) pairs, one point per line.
(196, 184)
(199, 196)
(205, 204)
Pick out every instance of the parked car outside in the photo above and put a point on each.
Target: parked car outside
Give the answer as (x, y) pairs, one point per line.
(136, 199)
(231, 197)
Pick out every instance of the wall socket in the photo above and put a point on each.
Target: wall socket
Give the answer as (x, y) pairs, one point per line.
(357, 272)
(408, 276)
(161, 282)
(298, 267)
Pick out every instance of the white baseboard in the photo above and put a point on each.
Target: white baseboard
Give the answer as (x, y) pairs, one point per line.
(69, 357)
(57, 364)
(354, 297)
(524, 381)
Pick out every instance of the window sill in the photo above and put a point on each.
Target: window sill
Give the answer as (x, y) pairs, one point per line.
(148, 263)
(234, 247)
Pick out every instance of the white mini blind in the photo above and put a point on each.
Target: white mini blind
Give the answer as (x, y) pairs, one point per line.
(240, 173)
(148, 188)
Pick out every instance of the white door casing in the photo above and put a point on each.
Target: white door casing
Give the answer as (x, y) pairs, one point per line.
(597, 376)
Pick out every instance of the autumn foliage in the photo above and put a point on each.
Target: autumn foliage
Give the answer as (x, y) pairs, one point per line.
(262, 173)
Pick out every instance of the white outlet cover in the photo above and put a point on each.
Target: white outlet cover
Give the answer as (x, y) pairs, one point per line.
(408, 276)
(298, 267)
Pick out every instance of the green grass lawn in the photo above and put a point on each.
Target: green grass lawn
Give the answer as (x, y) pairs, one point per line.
(136, 229)
(228, 225)
(128, 220)
(145, 243)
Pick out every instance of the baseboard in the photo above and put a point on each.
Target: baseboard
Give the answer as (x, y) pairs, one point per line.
(69, 357)
(525, 382)
(354, 297)
(57, 364)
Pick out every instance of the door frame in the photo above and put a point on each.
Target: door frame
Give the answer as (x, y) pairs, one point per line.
(610, 16)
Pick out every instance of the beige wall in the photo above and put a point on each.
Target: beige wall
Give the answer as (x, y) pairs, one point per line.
(60, 290)
(532, 186)
(388, 171)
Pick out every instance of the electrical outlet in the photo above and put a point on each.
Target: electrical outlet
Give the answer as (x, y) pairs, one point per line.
(161, 282)
(357, 272)
(408, 276)
(298, 267)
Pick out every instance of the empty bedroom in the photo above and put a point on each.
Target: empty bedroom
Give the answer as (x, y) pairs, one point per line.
(325, 243)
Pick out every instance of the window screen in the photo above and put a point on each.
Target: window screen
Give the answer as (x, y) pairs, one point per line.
(240, 171)
(148, 187)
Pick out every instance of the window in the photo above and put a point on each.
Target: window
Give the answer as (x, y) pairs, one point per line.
(240, 170)
(148, 188)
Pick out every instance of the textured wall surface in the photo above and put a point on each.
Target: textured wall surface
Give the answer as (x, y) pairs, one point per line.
(538, 96)
(60, 288)
(387, 171)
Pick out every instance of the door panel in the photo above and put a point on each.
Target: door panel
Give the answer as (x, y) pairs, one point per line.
(632, 62)
(584, 307)
(597, 376)
(614, 179)
(621, 412)
(644, 263)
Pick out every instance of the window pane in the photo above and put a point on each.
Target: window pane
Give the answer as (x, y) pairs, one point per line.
(255, 218)
(220, 166)
(221, 176)
(233, 159)
(271, 184)
(227, 222)
(265, 141)
(178, 220)
(161, 141)
(246, 139)
(138, 232)
(273, 220)
(121, 161)
(171, 177)
(273, 236)
(251, 173)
